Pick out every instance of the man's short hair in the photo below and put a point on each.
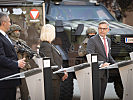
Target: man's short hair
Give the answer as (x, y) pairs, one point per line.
(103, 22)
(2, 14)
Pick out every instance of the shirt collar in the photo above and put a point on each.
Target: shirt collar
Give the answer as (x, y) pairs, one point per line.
(2, 32)
(102, 37)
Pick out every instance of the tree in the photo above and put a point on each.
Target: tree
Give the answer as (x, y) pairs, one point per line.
(125, 5)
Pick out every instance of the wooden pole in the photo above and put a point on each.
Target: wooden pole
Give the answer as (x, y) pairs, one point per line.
(44, 14)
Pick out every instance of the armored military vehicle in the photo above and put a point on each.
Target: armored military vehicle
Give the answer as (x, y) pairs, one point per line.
(86, 14)
(72, 18)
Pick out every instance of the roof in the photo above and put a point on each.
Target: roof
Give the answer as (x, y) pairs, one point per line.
(19, 2)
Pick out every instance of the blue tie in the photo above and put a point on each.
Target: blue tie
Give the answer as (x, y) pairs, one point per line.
(8, 38)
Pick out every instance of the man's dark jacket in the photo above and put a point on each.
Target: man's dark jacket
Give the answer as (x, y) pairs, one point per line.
(8, 63)
(95, 45)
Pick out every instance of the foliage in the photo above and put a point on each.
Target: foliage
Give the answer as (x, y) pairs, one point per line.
(125, 4)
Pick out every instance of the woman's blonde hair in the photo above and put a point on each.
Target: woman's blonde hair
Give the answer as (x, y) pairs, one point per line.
(47, 33)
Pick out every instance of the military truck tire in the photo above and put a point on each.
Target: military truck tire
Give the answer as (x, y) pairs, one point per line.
(118, 88)
(66, 88)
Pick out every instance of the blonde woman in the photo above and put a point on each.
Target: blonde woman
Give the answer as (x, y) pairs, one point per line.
(49, 50)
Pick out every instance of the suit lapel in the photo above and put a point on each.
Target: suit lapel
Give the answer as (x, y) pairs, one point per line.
(5, 39)
(109, 44)
(9, 43)
(101, 43)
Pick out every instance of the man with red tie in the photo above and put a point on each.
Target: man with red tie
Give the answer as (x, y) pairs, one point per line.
(101, 45)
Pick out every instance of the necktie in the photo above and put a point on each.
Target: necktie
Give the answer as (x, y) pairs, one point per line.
(8, 38)
(105, 46)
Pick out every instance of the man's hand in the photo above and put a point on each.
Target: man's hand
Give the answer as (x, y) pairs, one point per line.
(21, 63)
(105, 64)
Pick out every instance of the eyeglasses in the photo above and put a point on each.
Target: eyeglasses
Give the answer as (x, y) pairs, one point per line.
(102, 28)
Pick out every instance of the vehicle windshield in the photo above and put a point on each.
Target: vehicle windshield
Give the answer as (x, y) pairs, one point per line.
(78, 12)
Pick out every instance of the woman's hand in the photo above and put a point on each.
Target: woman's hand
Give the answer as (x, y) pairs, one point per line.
(65, 76)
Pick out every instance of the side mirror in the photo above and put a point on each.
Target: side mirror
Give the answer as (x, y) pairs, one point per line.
(59, 26)
(79, 29)
(77, 32)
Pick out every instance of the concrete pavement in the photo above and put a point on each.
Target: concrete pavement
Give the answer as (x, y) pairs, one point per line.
(109, 94)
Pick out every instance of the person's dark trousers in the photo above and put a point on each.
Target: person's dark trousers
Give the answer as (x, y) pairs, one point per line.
(8, 93)
(103, 83)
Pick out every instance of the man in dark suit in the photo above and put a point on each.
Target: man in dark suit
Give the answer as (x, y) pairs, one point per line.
(9, 64)
(101, 45)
